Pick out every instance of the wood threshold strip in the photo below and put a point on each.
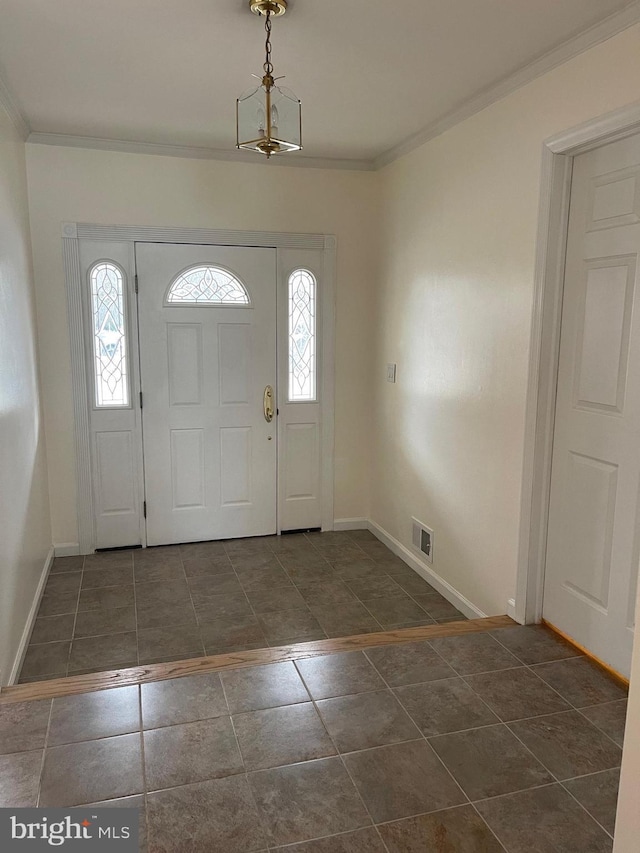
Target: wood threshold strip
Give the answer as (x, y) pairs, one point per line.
(612, 672)
(73, 685)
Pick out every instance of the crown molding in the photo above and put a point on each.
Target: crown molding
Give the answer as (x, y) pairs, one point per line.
(195, 153)
(8, 102)
(596, 34)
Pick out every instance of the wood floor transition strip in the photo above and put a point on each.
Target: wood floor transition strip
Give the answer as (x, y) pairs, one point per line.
(73, 685)
(612, 672)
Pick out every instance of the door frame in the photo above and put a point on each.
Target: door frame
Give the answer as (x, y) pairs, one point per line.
(72, 235)
(553, 218)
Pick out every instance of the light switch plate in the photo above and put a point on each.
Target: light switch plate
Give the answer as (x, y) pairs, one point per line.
(391, 372)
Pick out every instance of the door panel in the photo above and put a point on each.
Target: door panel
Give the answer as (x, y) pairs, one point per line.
(300, 424)
(114, 425)
(209, 453)
(592, 548)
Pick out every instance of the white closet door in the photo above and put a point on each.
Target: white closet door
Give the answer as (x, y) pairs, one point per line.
(207, 354)
(593, 542)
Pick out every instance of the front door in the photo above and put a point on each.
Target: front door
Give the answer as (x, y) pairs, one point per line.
(207, 318)
(594, 542)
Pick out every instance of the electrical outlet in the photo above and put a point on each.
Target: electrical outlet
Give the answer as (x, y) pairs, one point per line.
(391, 372)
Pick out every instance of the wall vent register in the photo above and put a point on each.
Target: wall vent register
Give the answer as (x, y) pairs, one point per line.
(422, 539)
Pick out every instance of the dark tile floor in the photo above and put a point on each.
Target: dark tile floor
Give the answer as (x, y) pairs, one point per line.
(488, 743)
(122, 608)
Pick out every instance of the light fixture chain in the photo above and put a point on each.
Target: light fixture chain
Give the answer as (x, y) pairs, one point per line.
(268, 67)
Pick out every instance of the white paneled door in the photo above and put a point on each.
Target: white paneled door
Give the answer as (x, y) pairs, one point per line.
(593, 541)
(207, 319)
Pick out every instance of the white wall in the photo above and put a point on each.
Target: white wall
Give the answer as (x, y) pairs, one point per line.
(454, 311)
(25, 535)
(67, 184)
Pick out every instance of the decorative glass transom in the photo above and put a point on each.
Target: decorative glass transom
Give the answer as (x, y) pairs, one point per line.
(302, 336)
(109, 336)
(205, 285)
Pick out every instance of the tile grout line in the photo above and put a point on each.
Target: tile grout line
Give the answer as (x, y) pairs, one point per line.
(491, 829)
(533, 716)
(254, 612)
(75, 615)
(572, 706)
(505, 725)
(144, 763)
(44, 754)
(193, 605)
(187, 580)
(583, 807)
(93, 610)
(245, 773)
(421, 734)
(584, 716)
(340, 756)
(135, 615)
(307, 605)
(531, 668)
(559, 781)
(406, 592)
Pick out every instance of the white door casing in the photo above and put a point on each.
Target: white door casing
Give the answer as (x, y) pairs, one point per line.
(209, 452)
(593, 544)
(96, 242)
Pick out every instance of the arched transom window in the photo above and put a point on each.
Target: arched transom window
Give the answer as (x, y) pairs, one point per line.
(302, 336)
(109, 336)
(207, 285)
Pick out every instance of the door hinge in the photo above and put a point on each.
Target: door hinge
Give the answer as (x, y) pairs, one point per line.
(141, 399)
(135, 281)
(144, 508)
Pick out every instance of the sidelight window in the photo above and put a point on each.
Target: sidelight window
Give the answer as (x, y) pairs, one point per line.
(109, 336)
(302, 336)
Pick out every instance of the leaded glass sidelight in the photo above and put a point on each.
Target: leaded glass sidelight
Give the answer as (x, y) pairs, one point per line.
(109, 336)
(207, 285)
(302, 336)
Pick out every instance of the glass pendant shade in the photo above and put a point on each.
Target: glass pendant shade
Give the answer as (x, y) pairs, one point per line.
(268, 119)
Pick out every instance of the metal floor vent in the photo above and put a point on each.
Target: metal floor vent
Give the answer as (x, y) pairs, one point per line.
(423, 539)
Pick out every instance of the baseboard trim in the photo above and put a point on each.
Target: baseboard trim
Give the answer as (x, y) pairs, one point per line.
(426, 573)
(351, 524)
(33, 612)
(67, 549)
(511, 609)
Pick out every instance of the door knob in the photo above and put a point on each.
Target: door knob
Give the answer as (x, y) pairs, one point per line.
(267, 403)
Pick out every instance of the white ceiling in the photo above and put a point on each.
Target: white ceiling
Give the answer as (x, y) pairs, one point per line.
(370, 73)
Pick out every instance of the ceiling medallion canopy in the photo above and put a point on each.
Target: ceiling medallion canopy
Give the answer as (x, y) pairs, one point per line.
(268, 117)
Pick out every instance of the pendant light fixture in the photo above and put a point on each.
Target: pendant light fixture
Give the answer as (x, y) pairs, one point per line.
(268, 118)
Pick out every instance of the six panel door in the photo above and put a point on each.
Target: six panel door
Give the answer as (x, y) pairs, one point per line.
(593, 543)
(207, 354)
